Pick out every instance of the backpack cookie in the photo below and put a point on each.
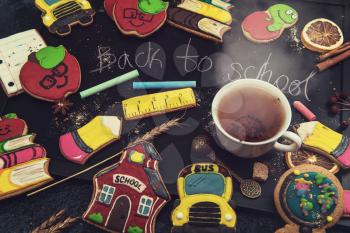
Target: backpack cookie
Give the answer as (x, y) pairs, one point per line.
(131, 20)
(205, 192)
(267, 26)
(78, 146)
(309, 199)
(129, 195)
(323, 140)
(59, 15)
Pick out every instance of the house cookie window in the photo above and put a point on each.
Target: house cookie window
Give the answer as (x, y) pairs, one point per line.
(106, 194)
(145, 206)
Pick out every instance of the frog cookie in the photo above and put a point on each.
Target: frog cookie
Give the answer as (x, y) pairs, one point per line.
(267, 26)
(310, 199)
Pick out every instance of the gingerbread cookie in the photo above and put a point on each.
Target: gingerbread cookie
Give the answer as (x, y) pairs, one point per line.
(11, 126)
(267, 26)
(197, 24)
(322, 35)
(51, 74)
(59, 15)
(131, 20)
(205, 191)
(24, 177)
(309, 199)
(78, 146)
(129, 195)
(323, 140)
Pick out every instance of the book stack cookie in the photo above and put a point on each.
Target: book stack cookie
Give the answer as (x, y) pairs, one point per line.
(23, 164)
(209, 19)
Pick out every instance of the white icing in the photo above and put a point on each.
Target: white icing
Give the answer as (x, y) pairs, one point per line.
(113, 123)
(212, 27)
(228, 217)
(27, 174)
(193, 5)
(306, 129)
(179, 215)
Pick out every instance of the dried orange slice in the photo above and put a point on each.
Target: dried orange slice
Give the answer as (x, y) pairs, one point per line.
(321, 35)
(303, 156)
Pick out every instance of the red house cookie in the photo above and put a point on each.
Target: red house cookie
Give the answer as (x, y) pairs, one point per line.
(131, 21)
(129, 195)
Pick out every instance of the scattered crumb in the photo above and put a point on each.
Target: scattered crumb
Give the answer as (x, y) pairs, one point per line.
(294, 37)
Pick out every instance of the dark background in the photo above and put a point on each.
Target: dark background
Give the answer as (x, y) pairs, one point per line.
(287, 57)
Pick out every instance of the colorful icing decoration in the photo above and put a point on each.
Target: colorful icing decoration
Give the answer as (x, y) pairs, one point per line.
(153, 104)
(53, 84)
(50, 57)
(266, 26)
(153, 7)
(207, 10)
(197, 24)
(347, 203)
(16, 143)
(204, 188)
(131, 21)
(21, 156)
(129, 195)
(78, 146)
(310, 198)
(219, 3)
(59, 15)
(24, 177)
(281, 15)
(11, 127)
(319, 138)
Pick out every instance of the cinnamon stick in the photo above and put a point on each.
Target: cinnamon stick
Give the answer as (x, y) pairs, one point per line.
(341, 49)
(332, 61)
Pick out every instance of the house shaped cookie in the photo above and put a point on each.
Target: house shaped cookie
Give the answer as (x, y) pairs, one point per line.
(129, 195)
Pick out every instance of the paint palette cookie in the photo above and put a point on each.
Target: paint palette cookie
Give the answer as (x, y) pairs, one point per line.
(205, 192)
(267, 26)
(131, 20)
(51, 74)
(207, 20)
(59, 15)
(322, 35)
(129, 195)
(309, 199)
(323, 140)
(78, 146)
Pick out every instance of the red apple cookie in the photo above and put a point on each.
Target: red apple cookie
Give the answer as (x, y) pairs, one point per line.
(131, 21)
(11, 127)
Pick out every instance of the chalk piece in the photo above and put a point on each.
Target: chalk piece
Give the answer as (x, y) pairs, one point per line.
(111, 83)
(304, 110)
(164, 85)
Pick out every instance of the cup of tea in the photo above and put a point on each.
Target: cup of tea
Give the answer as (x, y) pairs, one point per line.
(250, 117)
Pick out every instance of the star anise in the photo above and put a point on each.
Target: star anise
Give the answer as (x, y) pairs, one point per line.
(62, 106)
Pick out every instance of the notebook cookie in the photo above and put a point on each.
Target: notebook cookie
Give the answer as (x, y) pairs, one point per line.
(129, 195)
(21, 156)
(197, 24)
(309, 199)
(60, 15)
(323, 140)
(78, 146)
(322, 35)
(24, 177)
(205, 192)
(11, 126)
(267, 26)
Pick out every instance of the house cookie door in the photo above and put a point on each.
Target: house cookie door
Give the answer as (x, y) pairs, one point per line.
(119, 214)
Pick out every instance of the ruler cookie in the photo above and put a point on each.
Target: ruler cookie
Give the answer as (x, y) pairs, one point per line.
(155, 104)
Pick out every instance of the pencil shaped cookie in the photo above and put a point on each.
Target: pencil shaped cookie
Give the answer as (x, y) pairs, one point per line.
(21, 156)
(78, 146)
(319, 138)
(207, 10)
(197, 24)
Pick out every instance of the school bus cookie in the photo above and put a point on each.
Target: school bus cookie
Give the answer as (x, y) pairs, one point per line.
(129, 195)
(309, 199)
(267, 26)
(59, 15)
(205, 192)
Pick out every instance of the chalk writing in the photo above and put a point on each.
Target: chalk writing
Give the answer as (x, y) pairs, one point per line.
(106, 59)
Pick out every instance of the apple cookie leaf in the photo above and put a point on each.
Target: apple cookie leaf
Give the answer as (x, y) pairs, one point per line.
(49, 57)
(153, 6)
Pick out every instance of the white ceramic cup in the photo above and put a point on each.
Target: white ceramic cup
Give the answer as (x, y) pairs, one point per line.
(254, 149)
